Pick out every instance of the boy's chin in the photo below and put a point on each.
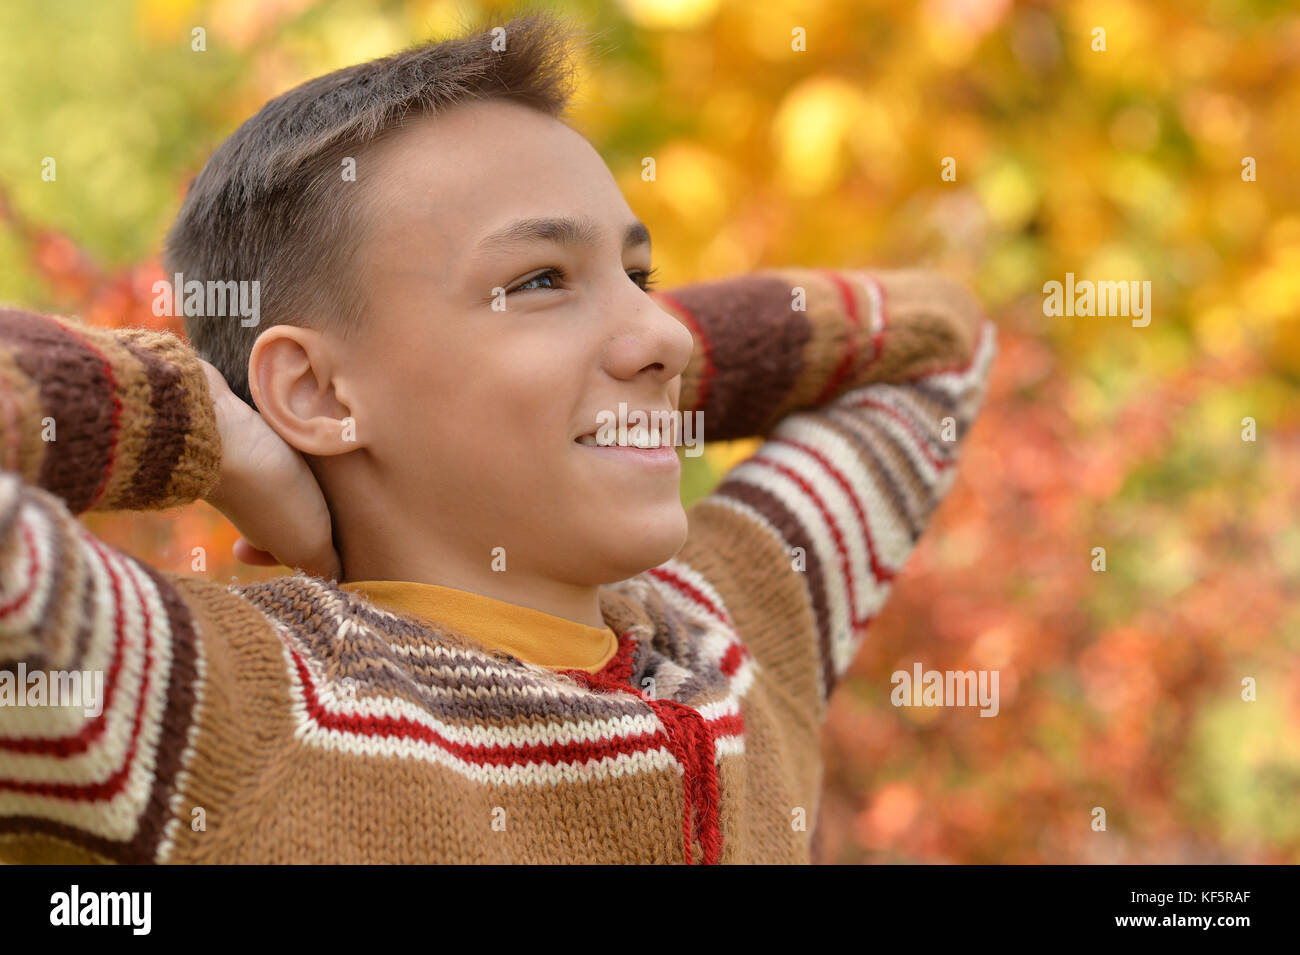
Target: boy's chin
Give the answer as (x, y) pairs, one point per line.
(632, 548)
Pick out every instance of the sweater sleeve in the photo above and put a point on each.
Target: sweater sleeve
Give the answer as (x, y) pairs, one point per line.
(101, 656)
(104, 419)
(864, 385)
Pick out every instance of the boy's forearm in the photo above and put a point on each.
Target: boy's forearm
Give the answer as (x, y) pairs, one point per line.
(105, 419)
(783, 340)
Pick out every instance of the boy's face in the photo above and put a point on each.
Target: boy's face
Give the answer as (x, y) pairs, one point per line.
(472, 414)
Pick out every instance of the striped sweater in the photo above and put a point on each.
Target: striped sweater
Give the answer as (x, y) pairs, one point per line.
(294, 721)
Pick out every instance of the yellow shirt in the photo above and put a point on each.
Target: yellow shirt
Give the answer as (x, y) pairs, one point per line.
(529, 635)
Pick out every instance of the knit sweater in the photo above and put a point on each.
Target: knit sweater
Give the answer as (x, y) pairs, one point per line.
(295, 720)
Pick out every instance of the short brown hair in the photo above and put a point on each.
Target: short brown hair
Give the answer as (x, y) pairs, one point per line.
(266, 206)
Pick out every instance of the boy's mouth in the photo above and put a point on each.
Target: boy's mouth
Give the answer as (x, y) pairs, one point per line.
(643, 437)
(649, 444)
(640, 441)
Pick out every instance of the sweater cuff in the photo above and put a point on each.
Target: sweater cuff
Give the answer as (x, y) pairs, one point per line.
(779, 341)
(106, 419)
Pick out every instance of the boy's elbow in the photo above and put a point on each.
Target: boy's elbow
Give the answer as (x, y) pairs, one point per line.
(954, 305)
(942, 315)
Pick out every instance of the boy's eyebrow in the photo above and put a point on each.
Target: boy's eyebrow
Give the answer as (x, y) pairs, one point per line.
(563, 229)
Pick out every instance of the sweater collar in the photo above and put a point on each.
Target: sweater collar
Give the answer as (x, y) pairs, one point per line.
(529, 635)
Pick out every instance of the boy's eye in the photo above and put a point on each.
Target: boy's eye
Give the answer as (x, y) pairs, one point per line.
(548, 275)
(644, 279)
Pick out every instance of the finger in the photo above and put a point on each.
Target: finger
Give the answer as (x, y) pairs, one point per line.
(325, 565)
(216, 381)
(248, 554)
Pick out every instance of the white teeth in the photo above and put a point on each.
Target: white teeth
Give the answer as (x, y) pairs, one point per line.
(645, 438)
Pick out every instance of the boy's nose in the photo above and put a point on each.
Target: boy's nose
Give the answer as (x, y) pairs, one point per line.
(654, 343)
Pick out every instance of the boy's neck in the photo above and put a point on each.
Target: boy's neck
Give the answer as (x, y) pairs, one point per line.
(576, 603)
(377, 540)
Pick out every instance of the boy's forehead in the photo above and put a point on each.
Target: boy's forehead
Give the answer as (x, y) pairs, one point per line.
(499, 147)
(460, 174)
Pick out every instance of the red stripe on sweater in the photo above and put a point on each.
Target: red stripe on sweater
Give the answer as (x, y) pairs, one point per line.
(917, 438)
(882, 573)
(29, 586)
(115, 783)
(695, 749)
(690, 590)
(619, 667)
(500, 756)
(693, 742)
(689, 748)
(64, 746)
(830, 522)
(851, 340)
(731, 660)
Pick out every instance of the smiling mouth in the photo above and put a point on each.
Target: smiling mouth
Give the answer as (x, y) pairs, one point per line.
(657, 434)
(643, 442)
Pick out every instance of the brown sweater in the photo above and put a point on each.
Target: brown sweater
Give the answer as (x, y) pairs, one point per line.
(297, 721)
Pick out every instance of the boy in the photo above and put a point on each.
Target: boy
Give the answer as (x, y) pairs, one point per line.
(506, 641)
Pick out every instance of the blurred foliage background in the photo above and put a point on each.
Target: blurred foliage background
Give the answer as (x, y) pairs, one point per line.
(1119, 689)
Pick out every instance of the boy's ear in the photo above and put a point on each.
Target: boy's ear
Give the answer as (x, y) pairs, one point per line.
(293, 377)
